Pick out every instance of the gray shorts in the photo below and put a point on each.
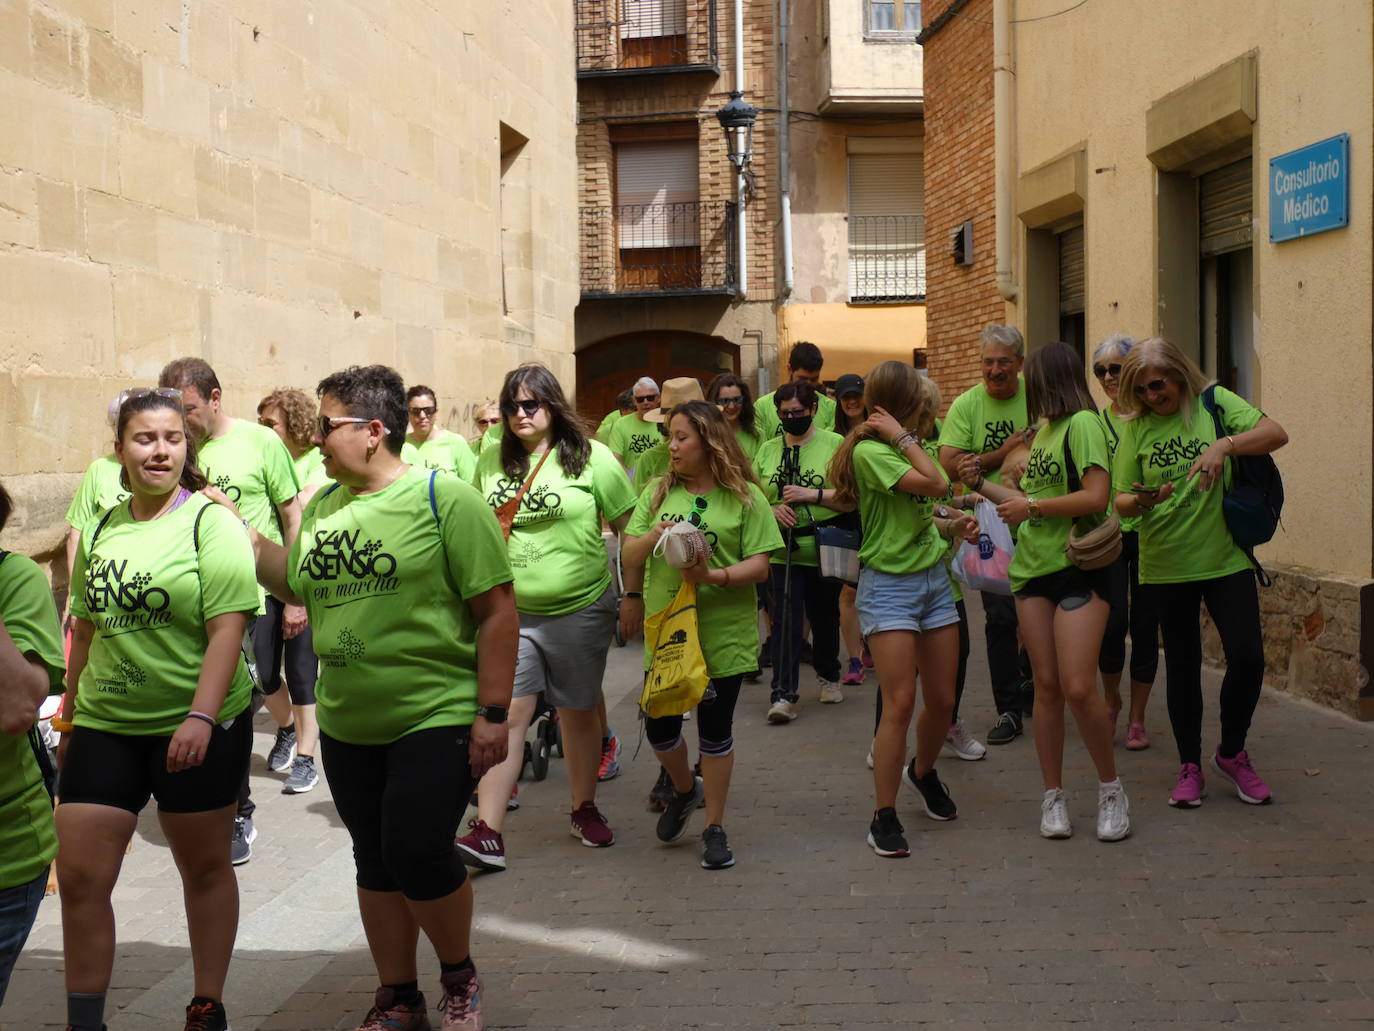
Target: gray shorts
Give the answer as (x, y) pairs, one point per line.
(565, 656)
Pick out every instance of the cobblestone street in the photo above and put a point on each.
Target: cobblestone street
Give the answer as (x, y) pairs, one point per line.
(1229, 914)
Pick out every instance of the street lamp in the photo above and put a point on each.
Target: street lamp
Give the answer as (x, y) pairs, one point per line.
(737, 119)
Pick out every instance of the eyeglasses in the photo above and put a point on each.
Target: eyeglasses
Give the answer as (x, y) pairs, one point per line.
(418, 412)
(327, 425)
(271, 424)
(644, 399)
(730, 402)
(1155, 386)
(529, 406)
(133, 392)
(1101, 371)
(696, 516)
(791, 411)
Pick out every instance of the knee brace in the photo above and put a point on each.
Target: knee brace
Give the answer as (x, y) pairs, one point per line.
(717, 748)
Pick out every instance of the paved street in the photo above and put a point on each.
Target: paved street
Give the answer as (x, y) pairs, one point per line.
(1230, 914)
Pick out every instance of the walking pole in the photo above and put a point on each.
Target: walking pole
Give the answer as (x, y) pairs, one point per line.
(791, 465)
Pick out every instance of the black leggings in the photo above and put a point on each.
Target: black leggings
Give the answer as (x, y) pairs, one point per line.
(402, 803)
(959, 677)
(1233, 603)
(715, 722)
(270, 645)
(1133, 605)
(818, 600)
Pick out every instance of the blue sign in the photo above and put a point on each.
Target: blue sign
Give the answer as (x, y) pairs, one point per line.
(1309, 189)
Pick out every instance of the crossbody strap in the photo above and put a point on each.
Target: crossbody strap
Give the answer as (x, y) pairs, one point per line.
(520, 494)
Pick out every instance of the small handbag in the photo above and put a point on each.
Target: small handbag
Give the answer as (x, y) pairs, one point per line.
(507, 511)
(838, 551)
(682, 545)
(1100, 546)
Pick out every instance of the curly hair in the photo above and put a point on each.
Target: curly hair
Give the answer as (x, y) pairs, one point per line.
(298, 411)
(725, 460)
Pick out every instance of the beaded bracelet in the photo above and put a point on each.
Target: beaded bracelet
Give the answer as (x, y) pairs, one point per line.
(202, 717)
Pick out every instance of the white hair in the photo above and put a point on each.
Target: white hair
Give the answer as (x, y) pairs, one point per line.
(1118, 345)
(1005, 336)
(645, 381)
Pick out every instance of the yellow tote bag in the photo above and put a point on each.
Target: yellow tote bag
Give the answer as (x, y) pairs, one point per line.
(677, 677)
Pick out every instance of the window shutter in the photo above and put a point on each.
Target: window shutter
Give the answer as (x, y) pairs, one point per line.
(887, 253)
(1072, 276)
(1225, 216)
(656, 194)
(642, 19)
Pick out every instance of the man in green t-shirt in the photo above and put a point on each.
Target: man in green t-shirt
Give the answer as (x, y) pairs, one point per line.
(984, 425)
(435, 447)
(804, 365)
(624, 405)
(633, 435)
(251, 465)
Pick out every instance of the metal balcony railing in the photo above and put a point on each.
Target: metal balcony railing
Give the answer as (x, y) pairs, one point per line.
(887, 258)
(658, 249)
(643, 37)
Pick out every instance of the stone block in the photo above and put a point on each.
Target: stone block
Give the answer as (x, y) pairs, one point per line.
(210, 49)
(187, 250)
(57, 320)
(96, 14)
(243, 262)
(224, 189)
(332, 223)
(59, 50)
(74, 140)
(116, 73)
(61, 217)
(18, 208)
(175, 100)
(283, 206)
(157, 168)
(16, 51)
(155, 320)
(152, 27)
(119, 232)
(245, 129)
(326, 105)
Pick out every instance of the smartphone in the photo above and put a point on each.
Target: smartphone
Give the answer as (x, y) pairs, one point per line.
(1140, 488)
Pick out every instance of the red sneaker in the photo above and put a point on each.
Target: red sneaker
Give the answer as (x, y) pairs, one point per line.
(589, 825)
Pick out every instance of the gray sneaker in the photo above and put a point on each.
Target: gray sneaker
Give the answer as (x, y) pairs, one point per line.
(672, 825)
(283, 750)
(241, 848)
(302, 777)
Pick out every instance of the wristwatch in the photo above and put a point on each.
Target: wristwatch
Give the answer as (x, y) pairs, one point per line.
(492, 713)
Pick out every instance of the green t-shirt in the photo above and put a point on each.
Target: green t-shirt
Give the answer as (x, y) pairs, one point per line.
(977, 422)
(384, 587)
(556, 549)
(813, 464)
(100, 488)
(727, 616)
(767, 424)
(310, 469)
(492, 436)
(447, 452)
(653, 462)
(149, 591)
(1040, 544)
(748, 443)
(630, 439)
(1184, 538)
(1113, 424)
(899, 536)
(27, 839)
(252, 466)
(603, 431)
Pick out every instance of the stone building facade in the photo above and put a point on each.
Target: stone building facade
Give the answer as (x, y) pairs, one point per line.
(281, 188)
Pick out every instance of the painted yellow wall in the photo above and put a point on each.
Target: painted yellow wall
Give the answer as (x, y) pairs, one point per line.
(853, 338)
(1312, 297)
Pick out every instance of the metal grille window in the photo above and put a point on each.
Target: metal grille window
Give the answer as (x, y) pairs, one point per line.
(644, 19)
(656, 193)
(887, 256)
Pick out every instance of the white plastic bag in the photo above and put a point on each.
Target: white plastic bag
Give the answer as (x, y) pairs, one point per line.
(985, 566)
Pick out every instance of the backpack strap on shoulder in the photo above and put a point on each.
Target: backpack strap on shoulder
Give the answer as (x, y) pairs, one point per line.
(101, 525)
(434, 504)
(1209, 402)
(195, 527)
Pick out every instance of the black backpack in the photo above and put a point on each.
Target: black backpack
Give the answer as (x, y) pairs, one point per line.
(1253, 502)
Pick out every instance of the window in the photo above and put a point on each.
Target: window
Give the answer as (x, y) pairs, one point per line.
(892, 19)
(887, 254)
(657, 214)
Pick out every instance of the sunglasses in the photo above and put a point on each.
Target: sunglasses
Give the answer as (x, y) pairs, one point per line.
(417, 412)
(327, 425)
(1100, 371)
(133, 392)
(1155, 386)
(695, 517)
(529, 406)
(646, 398)
(730, 402)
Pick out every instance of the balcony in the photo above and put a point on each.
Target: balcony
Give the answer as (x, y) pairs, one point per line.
(887, 259)
(658, 250)
(645, 37)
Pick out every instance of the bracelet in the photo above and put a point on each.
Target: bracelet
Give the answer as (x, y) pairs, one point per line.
(978, 486)
(1232, 441)
(726, 571)
(904, 440)
(820, 495)
(200, 716)
(60, 725)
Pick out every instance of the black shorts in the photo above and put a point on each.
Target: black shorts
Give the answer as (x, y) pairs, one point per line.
(1069, 588)
(125, 770)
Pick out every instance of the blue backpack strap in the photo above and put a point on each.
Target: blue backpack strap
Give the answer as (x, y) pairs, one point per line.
(1209, 402)
(434, 504)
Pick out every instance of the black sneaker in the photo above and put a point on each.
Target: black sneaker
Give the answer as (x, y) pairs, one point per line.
(715, 852)
(1006, 730)
(283, 750)
(241, 847)
(206, 1015)
(939, 806)
(672, 825)
(885, 835)
(302, 777)
(661, 793)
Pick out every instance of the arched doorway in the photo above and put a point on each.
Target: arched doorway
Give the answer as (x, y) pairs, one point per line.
(608, 366)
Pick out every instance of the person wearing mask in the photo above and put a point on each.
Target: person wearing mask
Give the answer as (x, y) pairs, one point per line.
(435, 447)
(634, 434)
(709, 484)
(31, 669)
(1062, 609)
(804, 364)
(1132, 605)
(290, 414)
(734, 399)
(850, 413)
(405, 577)
(1170, 470)
(906, 608)
(157, 706)
(251, 465)
(983, 426)
(624, 405)
(563, 592)
(793, 470)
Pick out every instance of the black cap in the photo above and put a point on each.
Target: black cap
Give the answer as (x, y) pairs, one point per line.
(849, 384)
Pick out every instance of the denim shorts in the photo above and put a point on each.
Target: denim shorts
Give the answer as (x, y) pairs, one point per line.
(904, 601)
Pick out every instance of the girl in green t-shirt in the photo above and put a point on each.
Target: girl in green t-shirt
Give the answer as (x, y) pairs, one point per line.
(1061, 609)
(158, 693)
(906, 608)
(1169, 470)
(732, 395)
(710, 485)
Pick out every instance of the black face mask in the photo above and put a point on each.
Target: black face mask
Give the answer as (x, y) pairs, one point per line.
(797, 425)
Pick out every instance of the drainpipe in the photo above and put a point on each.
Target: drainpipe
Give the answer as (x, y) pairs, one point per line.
(1003, 84)
(785, 147)
(741, 233)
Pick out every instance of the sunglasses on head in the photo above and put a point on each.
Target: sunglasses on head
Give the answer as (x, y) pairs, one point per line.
(168, 392)
(328, 425)
(698, 507)
(1155, 386)
(1100, 371)
(529, 406)
(418, 411)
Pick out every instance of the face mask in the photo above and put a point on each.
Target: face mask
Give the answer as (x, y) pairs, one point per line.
(797, 425)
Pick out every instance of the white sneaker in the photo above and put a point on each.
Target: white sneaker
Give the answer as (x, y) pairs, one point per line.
(1113, 812)
(830, 691)
(963, 744)
(782, 711)
(869, 758)
(1054, 815)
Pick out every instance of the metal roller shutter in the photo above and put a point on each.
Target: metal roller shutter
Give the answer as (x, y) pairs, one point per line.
(1225, 215)
(656, 193)
(1072, 276)
(641, 19)
(887, 244)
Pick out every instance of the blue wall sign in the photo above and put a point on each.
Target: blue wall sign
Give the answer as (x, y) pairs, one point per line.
(1309, 189)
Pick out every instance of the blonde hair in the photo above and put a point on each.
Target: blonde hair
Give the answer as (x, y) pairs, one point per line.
(1158, 353)
(725, 460)
(899, 390)
(926, 427)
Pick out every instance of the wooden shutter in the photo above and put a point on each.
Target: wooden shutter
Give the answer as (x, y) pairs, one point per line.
(656, 193)
(640, 19)
(887, 253)
(1072, 275)
(1225, 215)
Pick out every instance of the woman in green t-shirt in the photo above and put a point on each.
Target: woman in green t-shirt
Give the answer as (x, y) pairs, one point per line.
(850, 413)
(563, 591)
(736, 402)
(157, 700)
(906, 608)
(1061, 609)
(709, 484)
(1169, 470)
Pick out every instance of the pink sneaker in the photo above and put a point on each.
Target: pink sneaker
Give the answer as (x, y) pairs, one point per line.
(867, 659)
(461, 1005)
(1136, 738)
(589, 825)
(1249, 785)
(855, 675)
(1190, 789)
